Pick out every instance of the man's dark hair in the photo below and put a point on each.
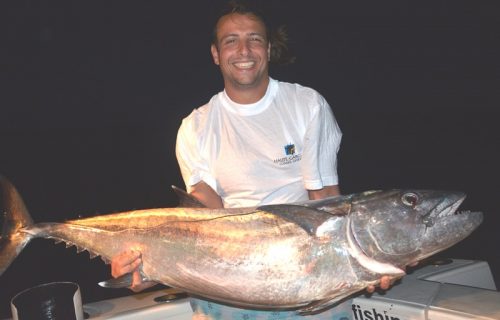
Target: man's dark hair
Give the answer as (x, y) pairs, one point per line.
(278, 37)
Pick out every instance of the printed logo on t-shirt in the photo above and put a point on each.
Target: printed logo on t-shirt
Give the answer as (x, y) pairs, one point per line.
(290, 149)
(290, 155)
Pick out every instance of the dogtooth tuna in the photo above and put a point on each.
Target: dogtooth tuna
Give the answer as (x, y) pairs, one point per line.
(305, 256)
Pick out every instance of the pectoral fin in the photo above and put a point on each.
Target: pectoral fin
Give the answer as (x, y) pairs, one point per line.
(307, 218)
(331, 301)
(124, 281)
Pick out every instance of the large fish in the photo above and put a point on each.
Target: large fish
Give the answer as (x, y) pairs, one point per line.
(305, 256)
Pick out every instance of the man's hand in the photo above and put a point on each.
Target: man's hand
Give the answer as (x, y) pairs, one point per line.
(129, 262)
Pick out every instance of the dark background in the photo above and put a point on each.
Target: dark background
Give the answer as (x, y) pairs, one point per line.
(92, 94)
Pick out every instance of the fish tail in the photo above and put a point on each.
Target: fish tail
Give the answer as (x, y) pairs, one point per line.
(15, 217)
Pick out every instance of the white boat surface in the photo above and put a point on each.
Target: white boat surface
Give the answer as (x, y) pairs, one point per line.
(451, 289)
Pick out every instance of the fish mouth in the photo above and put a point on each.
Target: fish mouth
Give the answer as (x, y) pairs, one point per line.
(447, 229)
(443, 209)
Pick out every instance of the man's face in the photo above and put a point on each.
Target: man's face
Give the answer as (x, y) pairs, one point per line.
(242, 51)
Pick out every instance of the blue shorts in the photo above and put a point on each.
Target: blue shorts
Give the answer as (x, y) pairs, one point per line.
(207, 310)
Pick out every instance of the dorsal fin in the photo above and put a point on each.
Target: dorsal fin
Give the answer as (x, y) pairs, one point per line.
(186, 200)
(307, 218)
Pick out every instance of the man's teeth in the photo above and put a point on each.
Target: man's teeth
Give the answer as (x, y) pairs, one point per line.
(244, 65)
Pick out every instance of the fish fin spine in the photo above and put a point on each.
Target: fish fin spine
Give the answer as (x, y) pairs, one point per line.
(79, 249)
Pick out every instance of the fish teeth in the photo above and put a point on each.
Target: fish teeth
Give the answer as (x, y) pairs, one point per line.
(464, 212)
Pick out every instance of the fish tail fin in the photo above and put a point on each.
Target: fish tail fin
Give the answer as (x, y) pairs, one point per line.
(14, 217)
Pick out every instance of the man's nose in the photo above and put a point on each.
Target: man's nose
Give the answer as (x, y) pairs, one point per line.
(244, 48)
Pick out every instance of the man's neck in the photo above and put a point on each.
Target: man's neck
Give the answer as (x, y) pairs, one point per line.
(247, 95)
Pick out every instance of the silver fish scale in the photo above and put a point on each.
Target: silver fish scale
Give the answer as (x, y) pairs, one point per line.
(258, 258)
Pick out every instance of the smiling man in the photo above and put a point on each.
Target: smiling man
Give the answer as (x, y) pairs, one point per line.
(236, 150)
(242, 50)
(259, 141)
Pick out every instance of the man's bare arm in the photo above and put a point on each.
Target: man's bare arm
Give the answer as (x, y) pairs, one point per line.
(206, 195)
(325, 192)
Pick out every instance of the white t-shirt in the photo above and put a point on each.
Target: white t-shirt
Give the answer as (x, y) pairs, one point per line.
(271, 151)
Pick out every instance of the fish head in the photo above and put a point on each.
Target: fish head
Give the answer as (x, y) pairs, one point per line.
(403, 226)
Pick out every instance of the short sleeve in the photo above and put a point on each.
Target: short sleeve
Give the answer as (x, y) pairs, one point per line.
(321, 145)
(193, 166)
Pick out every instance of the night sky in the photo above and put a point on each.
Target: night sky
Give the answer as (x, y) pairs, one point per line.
(93, 92)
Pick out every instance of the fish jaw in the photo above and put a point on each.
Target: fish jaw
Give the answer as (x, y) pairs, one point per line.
(456, 227)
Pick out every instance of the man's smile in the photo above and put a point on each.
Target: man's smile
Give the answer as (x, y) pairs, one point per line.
(244, 65)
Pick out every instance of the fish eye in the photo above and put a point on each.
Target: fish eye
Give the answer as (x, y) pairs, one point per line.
(410, 199)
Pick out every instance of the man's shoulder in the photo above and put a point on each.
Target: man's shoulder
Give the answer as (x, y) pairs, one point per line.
(203, 110)
(200, 116)
(296, 88)
(306, 95)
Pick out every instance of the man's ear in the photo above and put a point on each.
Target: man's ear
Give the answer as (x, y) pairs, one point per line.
(215, 54)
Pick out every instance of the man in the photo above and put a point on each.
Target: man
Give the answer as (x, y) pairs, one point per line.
(260, 141)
